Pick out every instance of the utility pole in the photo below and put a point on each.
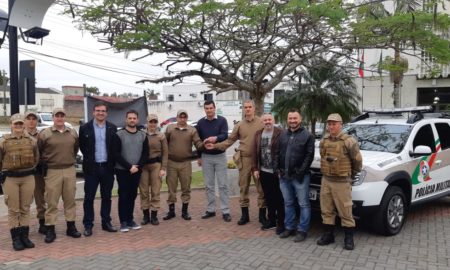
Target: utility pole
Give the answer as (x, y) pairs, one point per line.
(13, 65)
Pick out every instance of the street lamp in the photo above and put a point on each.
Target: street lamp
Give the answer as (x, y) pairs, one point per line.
(27, 14)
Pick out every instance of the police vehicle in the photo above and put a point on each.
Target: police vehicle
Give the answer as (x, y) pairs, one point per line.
(406, 161)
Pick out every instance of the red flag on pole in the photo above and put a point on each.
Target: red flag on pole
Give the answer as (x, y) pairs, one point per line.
(361, 66)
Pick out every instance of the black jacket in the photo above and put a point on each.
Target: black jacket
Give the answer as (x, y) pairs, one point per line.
(301, 146)
(87, 146)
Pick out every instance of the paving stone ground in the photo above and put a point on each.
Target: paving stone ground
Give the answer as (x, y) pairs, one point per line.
(424, 243)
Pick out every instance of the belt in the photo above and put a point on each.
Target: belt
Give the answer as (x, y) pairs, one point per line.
(19, 174)
(101, 164)
(153, 160)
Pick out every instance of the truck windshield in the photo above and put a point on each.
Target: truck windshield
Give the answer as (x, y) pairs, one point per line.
(46, 117)
(381, 138)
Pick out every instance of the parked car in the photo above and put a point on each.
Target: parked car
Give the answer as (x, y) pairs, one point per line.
(45, 119)
(406, 161)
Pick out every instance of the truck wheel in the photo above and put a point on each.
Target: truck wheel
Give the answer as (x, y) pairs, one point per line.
(391, 216)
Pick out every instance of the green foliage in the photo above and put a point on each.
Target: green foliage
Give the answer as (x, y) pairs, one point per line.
(328, 88)
(252, 45)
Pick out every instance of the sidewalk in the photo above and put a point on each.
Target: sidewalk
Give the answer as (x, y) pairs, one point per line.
(213, 244)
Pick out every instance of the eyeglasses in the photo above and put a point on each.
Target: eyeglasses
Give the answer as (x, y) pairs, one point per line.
(100, 111)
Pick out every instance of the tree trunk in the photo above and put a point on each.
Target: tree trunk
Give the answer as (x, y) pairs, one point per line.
(259, 104)
(397, 78)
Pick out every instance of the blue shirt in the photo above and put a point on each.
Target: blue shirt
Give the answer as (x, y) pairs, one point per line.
(218, 127)
(100, 143)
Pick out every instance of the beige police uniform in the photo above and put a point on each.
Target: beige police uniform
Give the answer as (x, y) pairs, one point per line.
(340, 161)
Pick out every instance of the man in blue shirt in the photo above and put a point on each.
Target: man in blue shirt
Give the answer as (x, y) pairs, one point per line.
(98, 166)
(211, 129)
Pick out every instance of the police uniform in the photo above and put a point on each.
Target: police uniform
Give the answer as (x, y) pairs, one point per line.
(150, 183)
(19, 156)
(39, 186)
(58, 151)
(340, 161)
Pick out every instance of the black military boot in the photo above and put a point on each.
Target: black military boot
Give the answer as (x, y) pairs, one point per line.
(24, 232)
(72, 230)
(171, 213)
(50, 234)
(154, 218)
(42, 228)
(262, 216)
(184, 212)
(146, 218)
(327, 237)
(16, 242)
(348, 239)
(244, 218)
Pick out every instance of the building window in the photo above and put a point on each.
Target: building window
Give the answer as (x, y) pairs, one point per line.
(47, 102)
(2, 100)
(170, 98)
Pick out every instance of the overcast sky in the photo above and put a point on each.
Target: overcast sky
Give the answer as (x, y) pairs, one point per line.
(65, 41)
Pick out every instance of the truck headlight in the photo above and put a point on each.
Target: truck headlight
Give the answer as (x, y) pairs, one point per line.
(359, 178)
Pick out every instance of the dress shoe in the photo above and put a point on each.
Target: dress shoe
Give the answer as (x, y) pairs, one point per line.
(208, 215)
(108, 227)
(87, 232)
(72, 230)
(300, 237)
(287, 233)
(226, 217)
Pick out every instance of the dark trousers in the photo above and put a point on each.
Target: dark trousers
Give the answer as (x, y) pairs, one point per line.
(273, 196)
(128, 186)
(105, 178)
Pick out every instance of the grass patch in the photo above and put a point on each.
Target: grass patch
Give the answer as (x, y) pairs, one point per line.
(197, 182)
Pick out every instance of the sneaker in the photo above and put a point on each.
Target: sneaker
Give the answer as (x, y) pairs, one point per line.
(300, 237)
(124, 227)
(133, 225)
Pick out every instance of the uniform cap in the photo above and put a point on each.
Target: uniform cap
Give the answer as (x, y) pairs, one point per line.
(30, 113)
(151, 117)
(59, 110)
(180, 112)
(334, 117)
(15, 118)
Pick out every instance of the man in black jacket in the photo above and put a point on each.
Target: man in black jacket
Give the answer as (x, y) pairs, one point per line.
(96, 142)
(295, 155)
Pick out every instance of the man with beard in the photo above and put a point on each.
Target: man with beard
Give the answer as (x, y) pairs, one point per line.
(295, 155)
(130, 152)
(266, 144)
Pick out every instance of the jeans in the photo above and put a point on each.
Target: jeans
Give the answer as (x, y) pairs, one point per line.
(104, 177)
(128, 186)
(296, 192)
(215, 167)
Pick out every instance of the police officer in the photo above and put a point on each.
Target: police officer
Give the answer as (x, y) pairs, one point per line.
(39, 188)
(153, 171)
(340, 162)
(19, 156)
(58, 146)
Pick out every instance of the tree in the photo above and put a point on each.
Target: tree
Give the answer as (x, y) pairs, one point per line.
(327, 88)
(151, 94)
(249, 45)
(3, 78)
(93, 90)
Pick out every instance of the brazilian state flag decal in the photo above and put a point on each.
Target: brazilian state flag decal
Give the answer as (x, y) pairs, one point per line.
(422, 171)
